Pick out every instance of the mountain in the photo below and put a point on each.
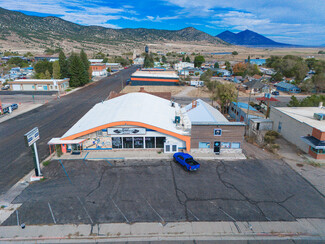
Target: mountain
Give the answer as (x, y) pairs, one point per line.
(33, 30)
(249, 38)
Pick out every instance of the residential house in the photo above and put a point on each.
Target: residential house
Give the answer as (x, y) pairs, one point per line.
(256, 86)
(182, 65)
(243, 112)
(286, 87)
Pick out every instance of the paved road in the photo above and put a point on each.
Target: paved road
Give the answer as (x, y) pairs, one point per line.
(53, 120)
(93, 192)
(283, 100)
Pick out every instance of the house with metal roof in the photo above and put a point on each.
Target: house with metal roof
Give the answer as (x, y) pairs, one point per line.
(142, 121)
(243, 112)
(286, 87)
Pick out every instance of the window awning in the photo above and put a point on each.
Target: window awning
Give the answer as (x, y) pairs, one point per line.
(58, 141)
(313, 142)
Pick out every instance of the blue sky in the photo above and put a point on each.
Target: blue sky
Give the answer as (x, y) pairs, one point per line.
(289, 21)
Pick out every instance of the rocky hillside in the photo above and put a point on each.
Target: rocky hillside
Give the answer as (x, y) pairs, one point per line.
(30, 29)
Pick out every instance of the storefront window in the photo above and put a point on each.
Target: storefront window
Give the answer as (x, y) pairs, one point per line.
(138, 142)
(235, 145)
(150, 142)
(225, 144)
(116, 142)
(318, 151)
(204, 144)
(160, 142)
(127, 142)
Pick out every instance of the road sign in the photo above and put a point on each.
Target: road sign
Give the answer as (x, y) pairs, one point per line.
(31, 137)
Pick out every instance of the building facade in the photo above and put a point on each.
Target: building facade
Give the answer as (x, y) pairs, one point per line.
(154, 77)
(141, 121)
(39, 85)
(301, 127)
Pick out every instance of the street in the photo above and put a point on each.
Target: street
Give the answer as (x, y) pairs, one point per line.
(53, 120)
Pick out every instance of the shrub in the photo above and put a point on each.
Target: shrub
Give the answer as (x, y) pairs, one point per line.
(58, 150)
(46, 163)
(272, 133)
(269, 139)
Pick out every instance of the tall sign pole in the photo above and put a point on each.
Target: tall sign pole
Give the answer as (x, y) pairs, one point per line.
(30, 139)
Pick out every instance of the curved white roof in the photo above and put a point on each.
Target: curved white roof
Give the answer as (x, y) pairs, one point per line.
(135, 107)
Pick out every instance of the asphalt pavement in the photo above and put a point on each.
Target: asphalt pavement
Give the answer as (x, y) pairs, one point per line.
(93, 192)
(53, 120)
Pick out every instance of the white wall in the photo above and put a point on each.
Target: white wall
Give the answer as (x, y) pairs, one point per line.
(292, 130)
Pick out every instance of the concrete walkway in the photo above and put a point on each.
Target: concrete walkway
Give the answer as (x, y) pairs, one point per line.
(144, 155)
(302, 229)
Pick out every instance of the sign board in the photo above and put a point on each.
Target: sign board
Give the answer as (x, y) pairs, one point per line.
(126, 131)
(217, 132)
(31, 136)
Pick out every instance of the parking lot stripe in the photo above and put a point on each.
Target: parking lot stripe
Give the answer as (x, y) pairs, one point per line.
(17, 217)
(154, 209)
(51, 212)
(193, 214)
(83, 206)
(109, 163)
(65, 170)
(86, 156)
(120, 211)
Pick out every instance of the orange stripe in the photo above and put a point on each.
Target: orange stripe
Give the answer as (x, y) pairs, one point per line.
(187, 139)
(149, 79)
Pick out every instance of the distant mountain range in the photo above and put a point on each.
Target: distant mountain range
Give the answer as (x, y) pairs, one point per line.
(53, 30)
(249, 38)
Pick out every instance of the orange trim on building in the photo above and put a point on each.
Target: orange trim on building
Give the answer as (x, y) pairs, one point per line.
(150, 79)
(187, 139)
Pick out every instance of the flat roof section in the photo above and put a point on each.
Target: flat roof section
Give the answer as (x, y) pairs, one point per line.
(304, 115)
(156, 74)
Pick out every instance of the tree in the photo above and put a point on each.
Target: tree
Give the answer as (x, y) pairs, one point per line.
(277, 77)
(249, 59)
(28, 54)
(18, 61)
(307, 85)
(78, 74)
(234, 53)
(228, 65)
(56, 70)
(64, 66)
(84, 59)
(198, 61)
(188, 59)
(109, 70)
(183, 58)
(43, 66)
(216, 65)
(206, 76)
(319, 81)
(225, 94)
(105, 60)
(240, 69)
(47, 75)
(148, 61)
(164, 59)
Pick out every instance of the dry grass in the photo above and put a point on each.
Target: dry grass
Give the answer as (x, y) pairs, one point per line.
(201, 92)
(173, 89)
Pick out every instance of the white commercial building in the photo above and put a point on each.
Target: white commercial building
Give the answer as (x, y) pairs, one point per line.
(181, 65)
(39, 84)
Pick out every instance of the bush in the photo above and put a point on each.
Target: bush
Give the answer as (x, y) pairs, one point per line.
(46, 163)
(272, 133)
(269, 139)
(58, 150)
(275, 146)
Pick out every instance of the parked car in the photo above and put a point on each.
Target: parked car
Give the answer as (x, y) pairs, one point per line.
(6, 87)
(186, 160)
(276, 93)
(14, 106)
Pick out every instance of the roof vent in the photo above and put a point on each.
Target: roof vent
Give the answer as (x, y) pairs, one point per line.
(319, 116)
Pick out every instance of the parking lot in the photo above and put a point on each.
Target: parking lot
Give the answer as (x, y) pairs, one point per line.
(78, 191)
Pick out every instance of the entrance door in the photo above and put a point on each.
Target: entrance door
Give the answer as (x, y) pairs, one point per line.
(216, 147)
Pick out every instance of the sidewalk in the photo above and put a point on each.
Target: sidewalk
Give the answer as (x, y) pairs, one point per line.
(302, 229)
(144, 155)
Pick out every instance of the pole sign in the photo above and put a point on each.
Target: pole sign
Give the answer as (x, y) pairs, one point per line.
(31, 137)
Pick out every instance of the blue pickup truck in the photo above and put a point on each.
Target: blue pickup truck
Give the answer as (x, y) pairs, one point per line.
(186, 161)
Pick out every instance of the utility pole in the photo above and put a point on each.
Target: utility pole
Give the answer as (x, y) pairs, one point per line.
(268, 103)
(237, 113)
(249, 100)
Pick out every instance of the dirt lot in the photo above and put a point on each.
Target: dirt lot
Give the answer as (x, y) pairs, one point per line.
(81, 191)
(173, 89)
